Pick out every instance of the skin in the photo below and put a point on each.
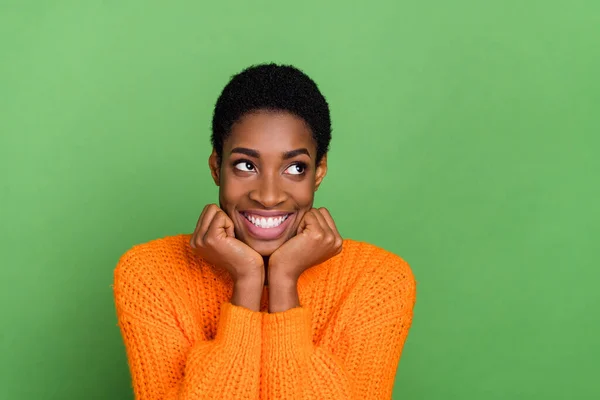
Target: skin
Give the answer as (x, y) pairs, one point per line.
(268, 165)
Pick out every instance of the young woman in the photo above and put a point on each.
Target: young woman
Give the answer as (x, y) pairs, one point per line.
(265, 300)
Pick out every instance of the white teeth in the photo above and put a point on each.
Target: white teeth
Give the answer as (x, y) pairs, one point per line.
(265, 223)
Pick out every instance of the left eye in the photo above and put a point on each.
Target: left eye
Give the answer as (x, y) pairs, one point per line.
(295, 169)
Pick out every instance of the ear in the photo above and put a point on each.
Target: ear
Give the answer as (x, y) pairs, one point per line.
(215, 167)
(321, 172)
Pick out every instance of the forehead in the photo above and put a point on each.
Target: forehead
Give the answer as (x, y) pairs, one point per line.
(270, 132)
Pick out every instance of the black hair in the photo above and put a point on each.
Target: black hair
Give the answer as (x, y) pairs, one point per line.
(275, 88)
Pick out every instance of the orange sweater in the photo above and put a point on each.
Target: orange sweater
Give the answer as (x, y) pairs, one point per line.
(184, 340)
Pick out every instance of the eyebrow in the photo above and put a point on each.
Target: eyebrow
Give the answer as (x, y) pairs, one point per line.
(256, 154)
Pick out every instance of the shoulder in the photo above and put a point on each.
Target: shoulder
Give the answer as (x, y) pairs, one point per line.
(150, 278)
(375, 260)
(380, 272)
(149, 268)
(151, 257)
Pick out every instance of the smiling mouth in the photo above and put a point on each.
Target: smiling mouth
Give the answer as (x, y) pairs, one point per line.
(265, 222)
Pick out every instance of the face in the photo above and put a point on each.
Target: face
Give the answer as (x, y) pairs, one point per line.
(267, 177)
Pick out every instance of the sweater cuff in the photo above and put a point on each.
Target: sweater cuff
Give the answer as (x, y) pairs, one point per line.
(238, 326)
(290, 330)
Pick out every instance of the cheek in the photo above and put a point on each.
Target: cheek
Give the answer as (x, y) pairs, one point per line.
(230, 191)
(303, 194)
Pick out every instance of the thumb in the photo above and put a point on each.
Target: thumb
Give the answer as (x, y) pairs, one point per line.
(229, 227)
(309, 222)
(301, 226)
(221, 226)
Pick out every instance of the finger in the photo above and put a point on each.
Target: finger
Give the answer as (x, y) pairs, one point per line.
(202, 215)
(324, 224)
(197, 228)
(314, 225)
(325, 213)
(338, 241)
(209, 213)
(229, 226)
(220, 224)
(307, 220)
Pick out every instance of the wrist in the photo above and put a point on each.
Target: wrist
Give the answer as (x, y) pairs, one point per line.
(283, 274)
(250, 279)
(250, 275)
(247, 292)
(250, 282)
(282, 281)
(283, 294)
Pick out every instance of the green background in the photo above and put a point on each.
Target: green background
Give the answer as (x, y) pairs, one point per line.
(465, 140)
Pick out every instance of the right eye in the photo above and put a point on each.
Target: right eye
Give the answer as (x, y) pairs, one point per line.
(245, 166)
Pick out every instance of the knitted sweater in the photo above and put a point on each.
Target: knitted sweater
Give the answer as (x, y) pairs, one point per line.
(185, 340)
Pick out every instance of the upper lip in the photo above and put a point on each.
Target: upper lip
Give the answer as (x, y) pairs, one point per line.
(265, 213)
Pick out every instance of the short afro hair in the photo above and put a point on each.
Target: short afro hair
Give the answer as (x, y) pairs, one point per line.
(272, 87)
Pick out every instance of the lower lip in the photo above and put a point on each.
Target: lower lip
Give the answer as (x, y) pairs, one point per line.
(266, 233)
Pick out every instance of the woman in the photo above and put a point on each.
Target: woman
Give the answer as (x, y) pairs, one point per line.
(265, 300)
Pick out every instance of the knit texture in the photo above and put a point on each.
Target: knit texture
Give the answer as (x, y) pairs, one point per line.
(185, 340)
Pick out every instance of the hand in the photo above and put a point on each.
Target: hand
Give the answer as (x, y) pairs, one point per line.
(214, 240)
(316, 241)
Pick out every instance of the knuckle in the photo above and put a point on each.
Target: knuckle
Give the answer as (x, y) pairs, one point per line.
(220, 214)
(197, 243)
(209, 241)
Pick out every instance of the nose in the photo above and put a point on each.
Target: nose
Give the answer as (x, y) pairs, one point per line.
(268, 192)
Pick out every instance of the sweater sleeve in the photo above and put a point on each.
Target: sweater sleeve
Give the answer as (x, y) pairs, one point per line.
(360, 366)
(165, 364)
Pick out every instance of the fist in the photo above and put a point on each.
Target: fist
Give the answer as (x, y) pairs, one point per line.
(214, 240)
(316, 241)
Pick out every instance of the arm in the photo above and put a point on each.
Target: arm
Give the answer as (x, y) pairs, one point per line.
(165, 364)
(362, 365)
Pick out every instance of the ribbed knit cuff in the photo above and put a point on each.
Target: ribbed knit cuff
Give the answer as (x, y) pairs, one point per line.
(238, 326)
(290, 330)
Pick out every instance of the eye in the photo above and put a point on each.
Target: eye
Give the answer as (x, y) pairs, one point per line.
(244, 165)
(296, 169)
